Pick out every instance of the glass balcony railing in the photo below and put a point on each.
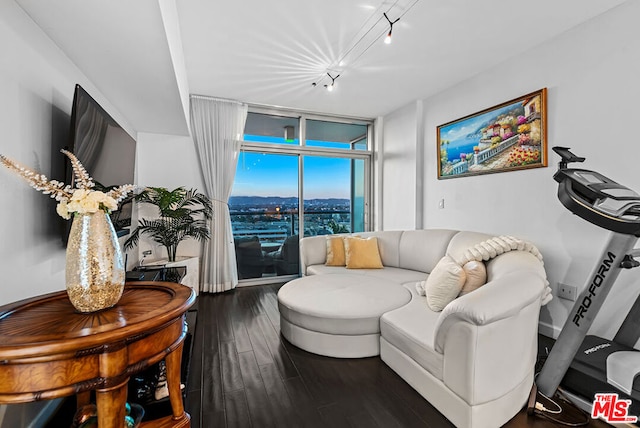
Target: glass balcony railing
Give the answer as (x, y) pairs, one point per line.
(266, 242)
(276, 226)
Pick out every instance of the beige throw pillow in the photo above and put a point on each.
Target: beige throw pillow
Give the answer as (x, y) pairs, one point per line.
(362, 253)
(335, 251)
(444, 283)
(476, 273)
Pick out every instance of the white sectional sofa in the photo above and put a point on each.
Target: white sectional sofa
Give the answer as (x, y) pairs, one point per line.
(474, 360)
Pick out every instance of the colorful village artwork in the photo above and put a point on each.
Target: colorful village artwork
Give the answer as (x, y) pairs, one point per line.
(507, 137)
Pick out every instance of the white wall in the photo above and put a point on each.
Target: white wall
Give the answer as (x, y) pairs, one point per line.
(591, 73)
(36, 91)
(167, 161)
(399, 172)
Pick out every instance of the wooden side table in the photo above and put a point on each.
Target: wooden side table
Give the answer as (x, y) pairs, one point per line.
(48, 350)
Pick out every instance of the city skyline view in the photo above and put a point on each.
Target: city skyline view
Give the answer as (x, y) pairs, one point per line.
(276, 175)
(265, 203)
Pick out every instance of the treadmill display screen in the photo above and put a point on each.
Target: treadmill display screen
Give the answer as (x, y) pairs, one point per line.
(589, 178)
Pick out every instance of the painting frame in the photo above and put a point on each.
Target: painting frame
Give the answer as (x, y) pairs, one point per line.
(510, 136)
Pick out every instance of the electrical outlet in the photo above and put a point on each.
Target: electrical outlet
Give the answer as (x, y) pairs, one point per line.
(569, 292)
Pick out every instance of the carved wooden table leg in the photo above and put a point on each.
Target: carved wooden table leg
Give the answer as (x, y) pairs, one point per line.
(173, 362)
(111, 401)
(111, 405)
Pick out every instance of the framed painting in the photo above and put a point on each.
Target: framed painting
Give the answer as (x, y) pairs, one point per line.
(508, 137)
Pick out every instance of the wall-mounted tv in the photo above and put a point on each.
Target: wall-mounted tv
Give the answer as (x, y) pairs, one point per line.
(105, 149)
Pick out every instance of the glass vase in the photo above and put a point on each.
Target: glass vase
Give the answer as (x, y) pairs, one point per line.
(94, 272)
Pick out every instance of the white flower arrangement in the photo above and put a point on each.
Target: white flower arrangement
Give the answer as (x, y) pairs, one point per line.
(83, 199)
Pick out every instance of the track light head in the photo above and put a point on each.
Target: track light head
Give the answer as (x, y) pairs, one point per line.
(387, 39)
(341, 63)
(331, 85)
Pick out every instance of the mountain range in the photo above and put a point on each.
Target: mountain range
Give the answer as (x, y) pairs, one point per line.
(240, 201)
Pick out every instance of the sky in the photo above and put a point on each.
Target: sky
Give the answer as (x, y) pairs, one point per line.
(459, 129)
(262, 174)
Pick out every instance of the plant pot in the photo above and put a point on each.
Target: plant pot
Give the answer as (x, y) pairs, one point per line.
(94, 273)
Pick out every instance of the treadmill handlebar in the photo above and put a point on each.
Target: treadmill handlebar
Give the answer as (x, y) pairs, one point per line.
(567, 156)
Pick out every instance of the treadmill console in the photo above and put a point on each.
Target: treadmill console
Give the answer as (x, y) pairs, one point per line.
(596, 198)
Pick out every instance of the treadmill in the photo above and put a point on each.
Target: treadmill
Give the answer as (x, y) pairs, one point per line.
(587, 364)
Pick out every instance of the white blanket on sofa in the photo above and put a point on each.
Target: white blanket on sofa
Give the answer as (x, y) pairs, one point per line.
(493, 247)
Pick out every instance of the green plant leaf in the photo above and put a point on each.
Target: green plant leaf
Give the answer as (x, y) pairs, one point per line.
(182, 214)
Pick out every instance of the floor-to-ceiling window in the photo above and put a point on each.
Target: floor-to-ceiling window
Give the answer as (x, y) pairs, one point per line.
(297, 175)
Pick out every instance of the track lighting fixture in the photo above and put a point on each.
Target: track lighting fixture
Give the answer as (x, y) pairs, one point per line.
(367, 37)
(333, 82)
(387, 39)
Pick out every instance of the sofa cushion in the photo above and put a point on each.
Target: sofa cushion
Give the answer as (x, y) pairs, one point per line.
(362, 253)
(411, 330)
(444, 283)
(324, 269)
(462, 241)
(422, 249)
(313, 251)
(388, 244)
(476, 276)
(417, 250)
(340, 304)
(397, 275)
(514, 261)
(335, 251)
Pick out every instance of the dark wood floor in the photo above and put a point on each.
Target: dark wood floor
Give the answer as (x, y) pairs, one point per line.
(244, 374)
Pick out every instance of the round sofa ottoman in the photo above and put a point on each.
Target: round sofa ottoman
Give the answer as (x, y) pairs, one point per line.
(338, 315)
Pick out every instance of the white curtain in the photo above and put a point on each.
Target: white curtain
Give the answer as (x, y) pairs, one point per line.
(217, 127)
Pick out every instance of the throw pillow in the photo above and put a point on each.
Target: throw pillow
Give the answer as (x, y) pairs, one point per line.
(335, 251)
(476, 273)
(444, 283)
(361, 253)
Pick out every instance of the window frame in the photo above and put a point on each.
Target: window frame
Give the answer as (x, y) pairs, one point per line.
(301, 150)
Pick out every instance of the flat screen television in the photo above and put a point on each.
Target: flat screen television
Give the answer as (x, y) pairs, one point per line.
(105, 149)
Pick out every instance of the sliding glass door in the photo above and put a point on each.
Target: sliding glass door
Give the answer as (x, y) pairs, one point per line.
(285, 160)
(333, 198)
(264, 214)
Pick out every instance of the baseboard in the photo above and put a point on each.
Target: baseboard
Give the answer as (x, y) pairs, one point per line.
(267, 280)
(548, 330)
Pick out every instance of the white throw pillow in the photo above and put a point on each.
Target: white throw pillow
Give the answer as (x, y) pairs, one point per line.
(476, 273)
(444, 283)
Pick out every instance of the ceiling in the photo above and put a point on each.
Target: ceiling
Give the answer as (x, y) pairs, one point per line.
(145, 56)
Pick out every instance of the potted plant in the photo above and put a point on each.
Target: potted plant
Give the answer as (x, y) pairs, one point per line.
(337, 228)
(183, 214)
